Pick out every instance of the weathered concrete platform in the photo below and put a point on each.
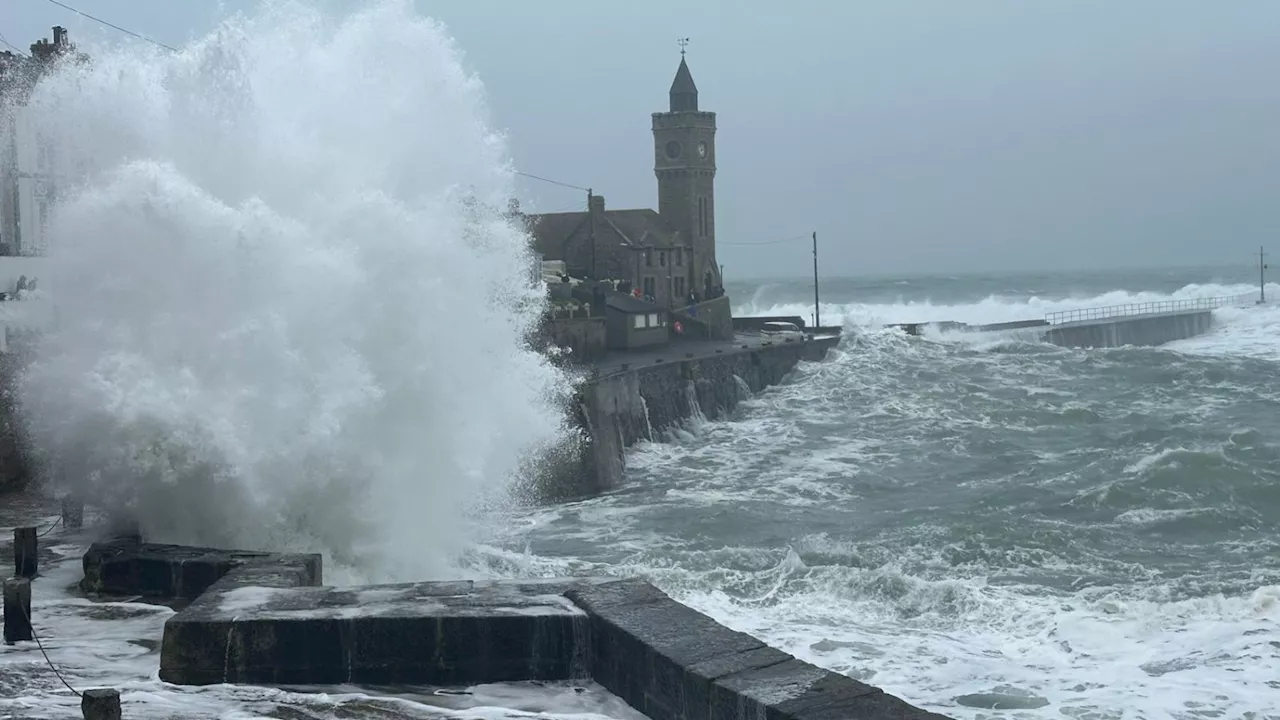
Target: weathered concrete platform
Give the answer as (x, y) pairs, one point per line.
(1145, 330)
(259, 624)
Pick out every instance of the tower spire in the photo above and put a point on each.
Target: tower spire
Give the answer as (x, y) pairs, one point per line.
(684, 93)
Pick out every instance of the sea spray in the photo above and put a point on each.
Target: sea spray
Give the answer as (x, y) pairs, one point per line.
(290, 312)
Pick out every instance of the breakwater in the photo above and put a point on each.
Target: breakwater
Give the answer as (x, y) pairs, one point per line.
(1144, 330)
(261, 618)
(626, 402)
(1141, 330)
(1145, 324)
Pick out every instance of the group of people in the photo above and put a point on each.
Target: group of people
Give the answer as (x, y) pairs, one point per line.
(23, 286)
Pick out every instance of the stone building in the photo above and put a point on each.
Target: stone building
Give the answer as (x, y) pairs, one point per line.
(669, 253)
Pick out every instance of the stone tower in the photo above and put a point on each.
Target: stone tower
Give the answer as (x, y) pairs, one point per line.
(684, 152)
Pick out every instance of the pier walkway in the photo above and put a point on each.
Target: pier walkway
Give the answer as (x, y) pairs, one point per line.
(1144, 324)
(617, 361)
(1151, 309)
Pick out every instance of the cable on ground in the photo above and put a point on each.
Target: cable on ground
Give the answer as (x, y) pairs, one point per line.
(40, 645)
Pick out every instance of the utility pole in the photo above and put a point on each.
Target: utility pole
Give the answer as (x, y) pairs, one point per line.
(1262, 276)
(817, 317)
(591, 231)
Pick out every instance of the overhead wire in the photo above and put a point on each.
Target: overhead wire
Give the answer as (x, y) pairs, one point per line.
(113, 26)
(11, 46)
(779, 241)
(548, 180)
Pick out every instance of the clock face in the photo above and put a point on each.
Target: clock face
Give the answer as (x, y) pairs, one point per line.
(702, 150)
(673, 149)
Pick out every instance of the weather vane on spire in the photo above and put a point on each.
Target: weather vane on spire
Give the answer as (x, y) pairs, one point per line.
(683, 42)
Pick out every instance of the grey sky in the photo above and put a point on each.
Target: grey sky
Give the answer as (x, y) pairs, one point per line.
(921, 136)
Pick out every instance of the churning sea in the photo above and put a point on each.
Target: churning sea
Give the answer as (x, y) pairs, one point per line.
(973, 522)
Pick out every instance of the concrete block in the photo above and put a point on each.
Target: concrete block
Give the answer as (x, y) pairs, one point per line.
(17, 610)
(423, 633)
(125, 566)
(25, 545)
(100, 704)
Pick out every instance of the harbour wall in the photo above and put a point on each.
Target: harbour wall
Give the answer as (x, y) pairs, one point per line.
(1155, 329)
(617, 410)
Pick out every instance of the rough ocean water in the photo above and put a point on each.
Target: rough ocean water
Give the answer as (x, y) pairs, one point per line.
(979, 521)
(966, 521)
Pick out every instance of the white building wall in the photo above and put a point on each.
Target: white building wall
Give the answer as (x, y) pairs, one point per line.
(36, 190)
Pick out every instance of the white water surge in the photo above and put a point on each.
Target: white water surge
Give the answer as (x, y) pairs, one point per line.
(994, 308)
(291, 314)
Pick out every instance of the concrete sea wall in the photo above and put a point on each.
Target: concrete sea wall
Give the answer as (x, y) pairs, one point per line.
(618, 410)
(265, 619)
(1146, 330)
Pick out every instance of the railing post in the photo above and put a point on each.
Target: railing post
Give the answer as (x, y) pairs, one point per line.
(17, 610)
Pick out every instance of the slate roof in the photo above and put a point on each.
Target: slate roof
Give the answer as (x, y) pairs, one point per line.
(550, 231)
(641, 228)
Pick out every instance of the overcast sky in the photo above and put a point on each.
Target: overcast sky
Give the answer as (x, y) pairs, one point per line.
(913, 136)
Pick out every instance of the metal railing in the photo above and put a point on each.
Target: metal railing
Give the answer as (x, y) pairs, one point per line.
(1149, 308)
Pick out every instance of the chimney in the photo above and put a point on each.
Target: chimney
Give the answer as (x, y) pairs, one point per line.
(597, 203)
(59, 36)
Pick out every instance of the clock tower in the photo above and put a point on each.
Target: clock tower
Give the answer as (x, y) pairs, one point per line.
(684, 142)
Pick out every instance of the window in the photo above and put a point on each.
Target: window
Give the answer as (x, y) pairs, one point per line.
(679, 290)
(702, 217)
(639, 320)
(662, 259)
(653, 320)
(650, 287)
(648, 258)
(679, 256)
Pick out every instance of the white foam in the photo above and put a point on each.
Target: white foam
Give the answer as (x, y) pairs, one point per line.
(991, 309)
(240, 599)
(1239, 332)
